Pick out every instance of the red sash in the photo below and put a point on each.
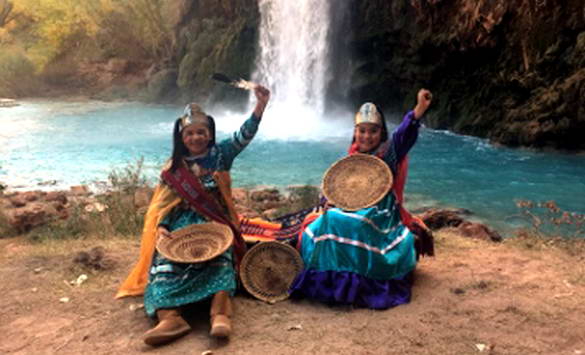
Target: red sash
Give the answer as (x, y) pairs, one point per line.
(190, 189)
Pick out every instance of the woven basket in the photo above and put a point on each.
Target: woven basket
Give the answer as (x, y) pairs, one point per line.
(357, 181)
(268, 270)
(196, 243)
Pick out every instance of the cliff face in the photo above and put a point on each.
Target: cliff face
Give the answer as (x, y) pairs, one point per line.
(210, 36)
(509, 70)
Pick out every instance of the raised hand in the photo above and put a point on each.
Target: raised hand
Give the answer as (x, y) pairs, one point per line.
(423, 101)
(262, 96)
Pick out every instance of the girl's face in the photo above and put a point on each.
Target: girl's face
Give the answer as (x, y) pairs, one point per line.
(367, 136)
(196, 137)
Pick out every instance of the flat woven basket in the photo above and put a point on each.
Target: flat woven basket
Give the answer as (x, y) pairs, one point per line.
(268, 270)
(357, 181)
(196, 243)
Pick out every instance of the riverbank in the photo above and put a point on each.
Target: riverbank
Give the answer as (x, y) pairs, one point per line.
(521, 296)
(72, 143)
(78, 212)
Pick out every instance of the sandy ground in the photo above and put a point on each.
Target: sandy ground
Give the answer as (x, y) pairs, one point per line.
(517, 297)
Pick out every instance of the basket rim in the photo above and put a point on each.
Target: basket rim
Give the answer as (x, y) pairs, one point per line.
(385, 184)
(195, 231)
(245, 276)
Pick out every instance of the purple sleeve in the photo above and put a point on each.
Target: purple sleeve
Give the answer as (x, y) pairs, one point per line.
(405, 135)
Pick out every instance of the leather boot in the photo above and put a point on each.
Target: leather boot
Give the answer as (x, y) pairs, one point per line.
(170, 326)
(221, 311)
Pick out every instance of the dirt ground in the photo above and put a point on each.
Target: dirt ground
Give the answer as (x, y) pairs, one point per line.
(516, 297)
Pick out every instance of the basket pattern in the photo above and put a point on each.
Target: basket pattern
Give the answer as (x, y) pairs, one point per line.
(357, 181)
(268, 270)
(196, 243)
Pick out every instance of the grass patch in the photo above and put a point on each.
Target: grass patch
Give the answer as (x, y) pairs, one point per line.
(6, 230)
(449, 239)
(528, 239)
(113, 213)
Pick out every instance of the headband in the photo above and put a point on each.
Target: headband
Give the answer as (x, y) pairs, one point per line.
(368, 113)
(193, 114)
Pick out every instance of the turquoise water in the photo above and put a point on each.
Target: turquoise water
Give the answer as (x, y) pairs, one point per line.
(70, 143)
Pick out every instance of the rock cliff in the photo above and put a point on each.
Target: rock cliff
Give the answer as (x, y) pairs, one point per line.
(210, 36)
(511, 71)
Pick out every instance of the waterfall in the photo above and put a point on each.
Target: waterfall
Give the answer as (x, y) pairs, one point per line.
(293, 61)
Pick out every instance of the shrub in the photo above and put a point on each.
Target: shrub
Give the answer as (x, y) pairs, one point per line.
(548, 220)
(112, 213)
(75, 226)
(17, 74)
(122, 213)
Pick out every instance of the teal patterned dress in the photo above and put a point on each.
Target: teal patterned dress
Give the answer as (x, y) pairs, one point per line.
(171, 284)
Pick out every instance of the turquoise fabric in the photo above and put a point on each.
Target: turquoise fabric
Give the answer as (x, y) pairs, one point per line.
(371, 242)
(171, 284)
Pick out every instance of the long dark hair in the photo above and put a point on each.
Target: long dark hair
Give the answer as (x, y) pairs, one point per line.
(179, 149)
(384, 136)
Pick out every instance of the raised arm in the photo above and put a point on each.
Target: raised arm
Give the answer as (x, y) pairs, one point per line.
(262, 96)
(405, 135)
(233, 145)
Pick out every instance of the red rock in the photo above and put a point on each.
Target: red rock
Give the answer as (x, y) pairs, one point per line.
(440, 218)
(240, 195)
(20, 199)
(79, 190)
(271, 213)
(33, 214)
(142, 197)
(246, 212)
(478, 231)
(17, 201)
(56, 196)
(269, 194)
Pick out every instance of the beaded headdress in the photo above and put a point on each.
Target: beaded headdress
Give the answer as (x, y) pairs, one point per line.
(368, 113)
(193, 114)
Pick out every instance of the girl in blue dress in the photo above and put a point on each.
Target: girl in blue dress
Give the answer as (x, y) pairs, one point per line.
(366, 258)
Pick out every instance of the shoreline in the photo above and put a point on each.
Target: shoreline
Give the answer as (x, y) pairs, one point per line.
(28, 209)
(421, 206)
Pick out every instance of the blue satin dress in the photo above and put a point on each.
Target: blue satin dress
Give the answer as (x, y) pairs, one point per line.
(363, 258)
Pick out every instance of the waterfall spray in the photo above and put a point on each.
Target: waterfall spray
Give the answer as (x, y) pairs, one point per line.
(293, 55)
(293, 60)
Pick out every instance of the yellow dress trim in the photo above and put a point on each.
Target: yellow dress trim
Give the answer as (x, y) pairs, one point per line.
(164, 199)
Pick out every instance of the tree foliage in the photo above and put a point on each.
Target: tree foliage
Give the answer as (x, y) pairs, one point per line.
(5, 12)
(92, 29)
(133, 27)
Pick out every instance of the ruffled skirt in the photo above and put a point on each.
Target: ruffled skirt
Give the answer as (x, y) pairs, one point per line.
(364, 258)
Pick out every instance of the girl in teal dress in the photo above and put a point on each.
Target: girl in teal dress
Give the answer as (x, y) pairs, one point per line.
(171, 285)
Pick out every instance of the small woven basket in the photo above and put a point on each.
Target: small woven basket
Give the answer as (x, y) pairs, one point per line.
(357, 181)
(268, 270)
(196, 243)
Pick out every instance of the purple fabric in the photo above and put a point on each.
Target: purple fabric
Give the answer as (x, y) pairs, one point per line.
(405, 135)
(350, 288)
